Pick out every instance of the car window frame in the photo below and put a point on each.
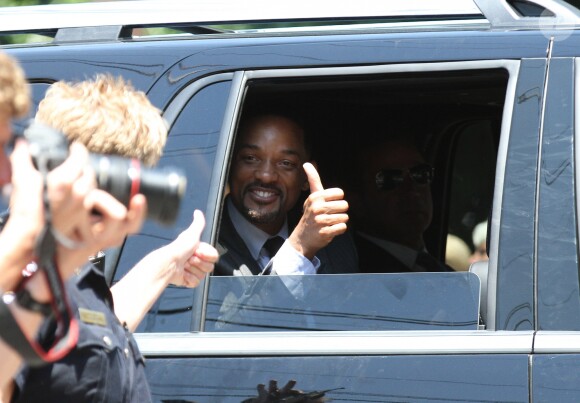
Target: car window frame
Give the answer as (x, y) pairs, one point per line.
(235, 105)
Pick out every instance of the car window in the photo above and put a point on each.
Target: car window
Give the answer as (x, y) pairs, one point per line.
(425, 301)
(472, 167)
(454, 117)
(191, 145)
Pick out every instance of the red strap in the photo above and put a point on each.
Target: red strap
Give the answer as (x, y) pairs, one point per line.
(135, 177)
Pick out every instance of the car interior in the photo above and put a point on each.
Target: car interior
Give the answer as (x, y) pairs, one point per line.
(454, 118)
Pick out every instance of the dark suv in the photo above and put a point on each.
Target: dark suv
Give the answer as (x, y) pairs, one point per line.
(490, 87)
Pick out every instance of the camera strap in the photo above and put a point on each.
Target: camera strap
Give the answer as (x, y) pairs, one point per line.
(66, 333)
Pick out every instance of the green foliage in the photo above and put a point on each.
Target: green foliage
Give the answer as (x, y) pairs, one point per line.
(28, 38)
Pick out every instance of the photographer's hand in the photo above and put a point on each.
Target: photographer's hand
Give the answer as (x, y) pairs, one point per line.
(185, 261)
(74, 199)
(18, 238)
(18, 241)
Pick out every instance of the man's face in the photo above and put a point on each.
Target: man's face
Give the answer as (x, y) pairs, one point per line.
(400, 214)
(267, 176)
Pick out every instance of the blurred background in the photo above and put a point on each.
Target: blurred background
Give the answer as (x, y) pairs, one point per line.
(12, 3)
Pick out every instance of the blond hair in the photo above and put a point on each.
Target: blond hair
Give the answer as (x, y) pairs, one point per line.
(14, 90)
(107, 115)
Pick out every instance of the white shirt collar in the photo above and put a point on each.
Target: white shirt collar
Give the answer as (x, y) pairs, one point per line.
(252, 236)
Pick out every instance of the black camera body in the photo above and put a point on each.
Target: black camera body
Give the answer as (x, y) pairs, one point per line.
(121, 177)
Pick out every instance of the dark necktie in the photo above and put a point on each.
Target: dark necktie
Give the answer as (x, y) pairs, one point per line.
(429, 263)
(272, 245)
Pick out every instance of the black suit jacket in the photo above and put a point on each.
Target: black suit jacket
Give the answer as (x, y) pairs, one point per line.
(338, 257)
(374, 259)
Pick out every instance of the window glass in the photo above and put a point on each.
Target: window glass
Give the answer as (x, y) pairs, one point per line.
(471, 193)
(191, 146)
(410, 301)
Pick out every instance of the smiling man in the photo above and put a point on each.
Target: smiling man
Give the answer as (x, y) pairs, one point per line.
(269, 173)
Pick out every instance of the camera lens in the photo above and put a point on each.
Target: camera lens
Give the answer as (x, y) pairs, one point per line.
(123, 178)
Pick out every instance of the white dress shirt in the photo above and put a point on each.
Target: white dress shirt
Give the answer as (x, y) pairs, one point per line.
(287, 261)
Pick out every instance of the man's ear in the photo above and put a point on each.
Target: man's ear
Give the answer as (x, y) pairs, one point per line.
(306, 185)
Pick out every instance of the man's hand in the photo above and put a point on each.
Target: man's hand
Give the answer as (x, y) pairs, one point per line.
(192, 259)
(323, 218)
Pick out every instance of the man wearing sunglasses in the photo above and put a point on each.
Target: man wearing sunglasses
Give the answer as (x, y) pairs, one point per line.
(392, 205)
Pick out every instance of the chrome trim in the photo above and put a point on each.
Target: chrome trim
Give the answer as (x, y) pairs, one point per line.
(512, 66)
(502, 16)
(335, 343)
(576, 143)
(556, 342)
(415, 26)
(149, 12)
(502, 152)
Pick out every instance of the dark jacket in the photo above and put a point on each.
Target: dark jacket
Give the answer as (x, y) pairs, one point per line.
(374, 259)
(105, 366)
(339, 257)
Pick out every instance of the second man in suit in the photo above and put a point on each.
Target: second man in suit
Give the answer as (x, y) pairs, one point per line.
(391, 190)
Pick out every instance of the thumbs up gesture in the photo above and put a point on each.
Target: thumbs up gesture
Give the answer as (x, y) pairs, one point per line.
(323, 218)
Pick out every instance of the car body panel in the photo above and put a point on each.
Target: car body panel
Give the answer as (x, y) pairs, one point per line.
(353, 378)
(557, 282)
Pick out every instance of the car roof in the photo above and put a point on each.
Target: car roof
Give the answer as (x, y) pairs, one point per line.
(147, 12)
(114, 20)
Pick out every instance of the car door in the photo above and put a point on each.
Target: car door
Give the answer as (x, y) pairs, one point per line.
(195, 362)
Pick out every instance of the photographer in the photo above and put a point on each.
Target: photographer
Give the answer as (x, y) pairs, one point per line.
(109, 116)
(71, 195)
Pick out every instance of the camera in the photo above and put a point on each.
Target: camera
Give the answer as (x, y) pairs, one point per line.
(121, 177)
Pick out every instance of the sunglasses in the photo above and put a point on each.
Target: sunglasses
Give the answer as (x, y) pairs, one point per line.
(388, 179)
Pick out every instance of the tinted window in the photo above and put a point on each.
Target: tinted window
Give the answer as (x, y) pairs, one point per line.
(191, 146)
(471, 189)
(409, 301)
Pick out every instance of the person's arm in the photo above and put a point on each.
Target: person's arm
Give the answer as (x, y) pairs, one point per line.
(18, 240)
(183, 262)
(73, 197)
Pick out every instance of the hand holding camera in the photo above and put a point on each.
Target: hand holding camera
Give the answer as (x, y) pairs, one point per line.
(121, 177)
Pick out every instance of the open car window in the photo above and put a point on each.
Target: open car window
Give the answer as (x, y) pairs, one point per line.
(453, 115)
